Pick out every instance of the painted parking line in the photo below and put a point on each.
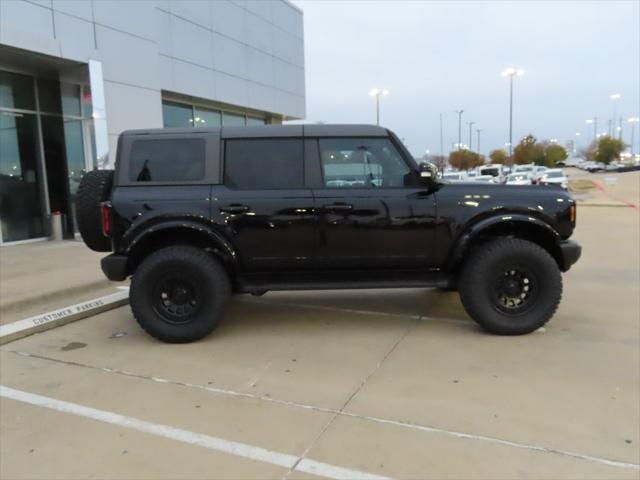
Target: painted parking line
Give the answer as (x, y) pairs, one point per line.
(45, 321)
(237, 449)
(386, 421)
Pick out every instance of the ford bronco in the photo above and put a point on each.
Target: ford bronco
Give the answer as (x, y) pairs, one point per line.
(196, 215)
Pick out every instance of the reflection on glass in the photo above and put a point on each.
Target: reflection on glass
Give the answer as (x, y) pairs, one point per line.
(87, 106)
(20, 208)
(49, 95)
(176, 115)
(70, 94)
(207, 118)
(255, 121)
(75, 161)
(16, 91)
(231, 119)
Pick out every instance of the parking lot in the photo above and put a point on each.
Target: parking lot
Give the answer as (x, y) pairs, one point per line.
(389, 383)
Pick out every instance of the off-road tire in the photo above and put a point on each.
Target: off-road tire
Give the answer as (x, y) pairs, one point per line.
(94, 189)
(484, 270)
(201, 273)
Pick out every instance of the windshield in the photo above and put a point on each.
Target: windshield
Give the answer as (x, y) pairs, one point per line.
(516, 178)
(554, 175)
(524, 169)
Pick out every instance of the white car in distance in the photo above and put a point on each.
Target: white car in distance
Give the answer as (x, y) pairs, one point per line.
(555, 176)
(520, 178)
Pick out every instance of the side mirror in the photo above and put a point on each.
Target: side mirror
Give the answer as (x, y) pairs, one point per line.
(428, 171)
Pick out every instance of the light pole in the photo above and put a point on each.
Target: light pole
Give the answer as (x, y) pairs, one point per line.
(615, 97)
(377, 92)
(511, 72)
(576, 144)
(633, 122)
(478, 130)
(471, 124)
(459, 112)
(594, 120)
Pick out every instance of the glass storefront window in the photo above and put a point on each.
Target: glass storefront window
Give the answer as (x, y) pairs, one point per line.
(255, 121)
(207, 118)
(87, 105)
(49, 95)
(177, 115)
(75, 161)
(16, 91)
(70, 94)
(20, 200)
(232, 119)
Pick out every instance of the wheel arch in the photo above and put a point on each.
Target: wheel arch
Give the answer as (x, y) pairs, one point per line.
(517, 226)
(181, 233)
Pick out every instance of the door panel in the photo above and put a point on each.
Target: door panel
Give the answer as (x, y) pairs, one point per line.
(384, 228)
(271, 229)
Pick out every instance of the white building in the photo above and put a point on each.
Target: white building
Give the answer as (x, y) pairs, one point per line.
(74, 74)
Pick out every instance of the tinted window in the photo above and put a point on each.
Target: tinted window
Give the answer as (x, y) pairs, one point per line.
(362, 163)
(263, 164)
(171, 160)
(177, 115)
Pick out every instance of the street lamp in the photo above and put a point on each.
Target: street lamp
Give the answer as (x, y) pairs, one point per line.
(511, 72)
(615, 97)
(478, 130)
(377, 92)
(633, 121)
(459, 112)
(471, 124)
(576, 144)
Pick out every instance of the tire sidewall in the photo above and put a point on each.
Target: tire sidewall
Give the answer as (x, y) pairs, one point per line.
(478, 291)
(211, 290)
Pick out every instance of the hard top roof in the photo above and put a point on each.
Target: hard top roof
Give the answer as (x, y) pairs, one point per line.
(305, 130)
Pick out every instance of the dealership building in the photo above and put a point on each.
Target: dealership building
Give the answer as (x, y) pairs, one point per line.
(75, 74)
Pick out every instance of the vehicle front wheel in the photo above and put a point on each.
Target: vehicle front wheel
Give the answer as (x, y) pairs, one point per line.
(510, 286)
(178, 294)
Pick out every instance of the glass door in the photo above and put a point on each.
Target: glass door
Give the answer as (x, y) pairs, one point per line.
(20, 196)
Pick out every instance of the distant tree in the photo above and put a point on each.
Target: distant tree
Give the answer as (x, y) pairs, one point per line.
(439, 161)
(553, 153)
(499, 156)
(608, 149)
(529, 151)
(465, 159)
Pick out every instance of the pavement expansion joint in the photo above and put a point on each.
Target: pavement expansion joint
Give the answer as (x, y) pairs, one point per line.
(341, 412)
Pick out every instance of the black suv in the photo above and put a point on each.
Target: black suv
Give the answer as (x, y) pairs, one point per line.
(194, 215)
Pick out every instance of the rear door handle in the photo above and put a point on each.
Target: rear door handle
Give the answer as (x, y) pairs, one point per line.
(338, 207)
(235, 208)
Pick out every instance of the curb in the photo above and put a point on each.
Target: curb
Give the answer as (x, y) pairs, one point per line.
(46, 321)
(77, 290)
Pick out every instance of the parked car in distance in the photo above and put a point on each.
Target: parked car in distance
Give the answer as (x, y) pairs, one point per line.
(528, 169)
(484, 178)
(555, 176)
(454, 176)
(195, 215)
(471, 174)
(521, 178)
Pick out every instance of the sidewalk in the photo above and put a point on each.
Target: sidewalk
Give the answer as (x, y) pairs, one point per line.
(42, 276)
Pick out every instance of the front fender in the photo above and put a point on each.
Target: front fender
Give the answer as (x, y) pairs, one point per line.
(503, 222)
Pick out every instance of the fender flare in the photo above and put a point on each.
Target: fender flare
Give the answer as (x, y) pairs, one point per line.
(470, 233)
(214, 237)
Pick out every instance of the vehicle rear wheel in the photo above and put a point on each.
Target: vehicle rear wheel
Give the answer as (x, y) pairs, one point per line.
(510, 286)
(178, 294)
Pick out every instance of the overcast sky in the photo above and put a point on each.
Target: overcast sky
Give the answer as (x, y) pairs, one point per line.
(437, 57)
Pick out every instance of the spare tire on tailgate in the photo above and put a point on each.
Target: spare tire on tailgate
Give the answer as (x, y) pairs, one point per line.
(94, 189)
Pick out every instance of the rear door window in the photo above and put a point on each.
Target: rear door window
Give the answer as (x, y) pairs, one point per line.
(264, 164)
(167, 160)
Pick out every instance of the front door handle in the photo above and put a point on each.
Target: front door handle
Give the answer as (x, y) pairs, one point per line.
(338, 207)
(234, 208)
